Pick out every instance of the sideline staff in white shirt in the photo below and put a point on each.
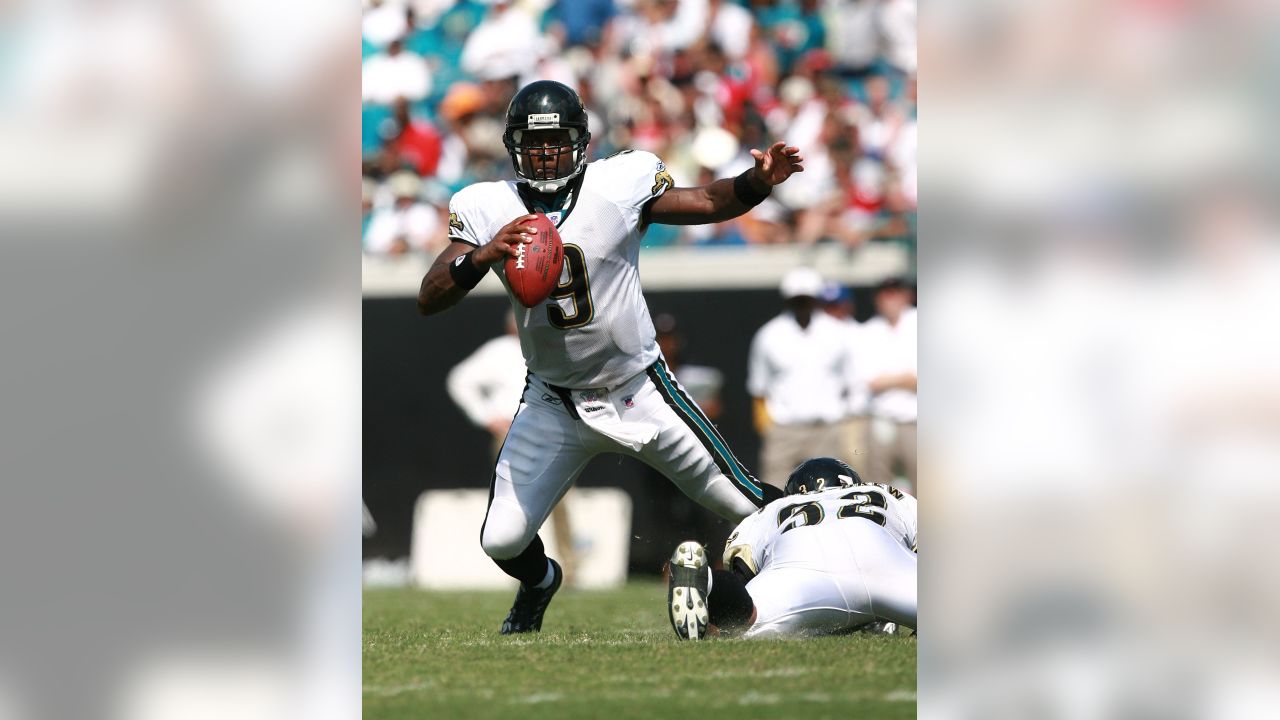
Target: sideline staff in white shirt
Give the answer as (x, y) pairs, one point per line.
(889, 351)
(800, 370)
(487, 385)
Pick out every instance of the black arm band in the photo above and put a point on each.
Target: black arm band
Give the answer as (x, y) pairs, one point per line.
(746, 194)
(465, 274)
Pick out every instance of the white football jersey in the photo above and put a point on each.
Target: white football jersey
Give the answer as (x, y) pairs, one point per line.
(827, 514)
(595, 330)
(829, 561)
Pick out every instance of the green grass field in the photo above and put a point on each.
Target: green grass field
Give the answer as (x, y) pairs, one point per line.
(612, 655)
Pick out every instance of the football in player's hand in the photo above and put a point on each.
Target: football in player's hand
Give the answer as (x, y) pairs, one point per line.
(534, 272)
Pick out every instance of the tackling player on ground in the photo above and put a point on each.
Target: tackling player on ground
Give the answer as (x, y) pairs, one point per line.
(597, 381)
(832, 556)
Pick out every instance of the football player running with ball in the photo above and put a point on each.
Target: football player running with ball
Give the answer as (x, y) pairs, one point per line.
(597, 382)
(834, 555)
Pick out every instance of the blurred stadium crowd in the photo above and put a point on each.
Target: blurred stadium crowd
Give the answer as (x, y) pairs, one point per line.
(698, 82)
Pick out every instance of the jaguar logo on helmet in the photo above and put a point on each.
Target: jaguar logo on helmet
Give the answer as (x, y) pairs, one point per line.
(547, 105)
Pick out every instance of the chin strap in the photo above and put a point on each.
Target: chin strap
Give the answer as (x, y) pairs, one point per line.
(550, 186)
(554, 186)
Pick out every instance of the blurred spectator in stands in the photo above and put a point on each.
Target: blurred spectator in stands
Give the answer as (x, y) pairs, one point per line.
(658, 28)
(503, 44)
(728, 83)
(441, 41)
(487, 386)
(499, 88)
(790, 28)
(406, 224)
(397, 73)
(795, 94)
(580, 22)
(730, 28)
(459, 111)
(428, 13)
(837, 301)
(817, 125)
(879, 120)
(888, 366)
(853, 188)
(548, 64)
(585, 68)
(799, 371)
(864, 214)
(903, 154)
(672, 77)
(415, 143)
(383, 22)
(761, 66)
(368, 188)
(853, 34)
(829, 218)
(898, 27)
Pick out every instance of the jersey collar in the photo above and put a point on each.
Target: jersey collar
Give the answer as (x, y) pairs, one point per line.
(555, 206)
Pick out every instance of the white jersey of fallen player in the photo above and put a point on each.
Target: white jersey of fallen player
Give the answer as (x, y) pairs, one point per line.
(829, 561)
(595, 330)
(755, 537)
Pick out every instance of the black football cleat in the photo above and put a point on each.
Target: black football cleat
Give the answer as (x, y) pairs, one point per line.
(530, 605)
(687, 591)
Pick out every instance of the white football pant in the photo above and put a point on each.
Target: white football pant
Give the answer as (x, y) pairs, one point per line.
(843, 585)
(557, 431)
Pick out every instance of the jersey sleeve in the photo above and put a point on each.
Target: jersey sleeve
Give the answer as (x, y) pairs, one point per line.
(464, 221)
(747, 541)
(634, 178)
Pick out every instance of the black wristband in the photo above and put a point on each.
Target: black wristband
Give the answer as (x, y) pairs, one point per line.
(746, 193)
(465, 274)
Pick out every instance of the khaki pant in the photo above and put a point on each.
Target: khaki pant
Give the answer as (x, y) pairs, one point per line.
(786, 446)
(857, 444)
(893, 449)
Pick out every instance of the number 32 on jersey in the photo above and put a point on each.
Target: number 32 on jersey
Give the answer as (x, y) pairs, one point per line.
(575, 287)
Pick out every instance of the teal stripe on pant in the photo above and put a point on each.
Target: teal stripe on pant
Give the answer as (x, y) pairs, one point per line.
(733, 458)
(706, 432)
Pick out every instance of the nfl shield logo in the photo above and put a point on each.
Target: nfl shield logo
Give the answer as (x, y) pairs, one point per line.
(629, 401)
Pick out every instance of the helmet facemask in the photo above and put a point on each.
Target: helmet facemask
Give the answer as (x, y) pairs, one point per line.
(539, 162)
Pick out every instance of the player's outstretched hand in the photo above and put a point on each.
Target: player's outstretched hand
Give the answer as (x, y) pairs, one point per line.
(778, 163)
(505, 242)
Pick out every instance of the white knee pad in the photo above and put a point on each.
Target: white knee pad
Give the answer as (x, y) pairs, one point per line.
(506, 531)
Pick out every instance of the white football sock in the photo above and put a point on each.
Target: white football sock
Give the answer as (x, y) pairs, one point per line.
(551, 576)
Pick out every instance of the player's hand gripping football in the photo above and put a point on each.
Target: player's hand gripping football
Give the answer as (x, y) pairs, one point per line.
(776, 164)
(505, 242)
